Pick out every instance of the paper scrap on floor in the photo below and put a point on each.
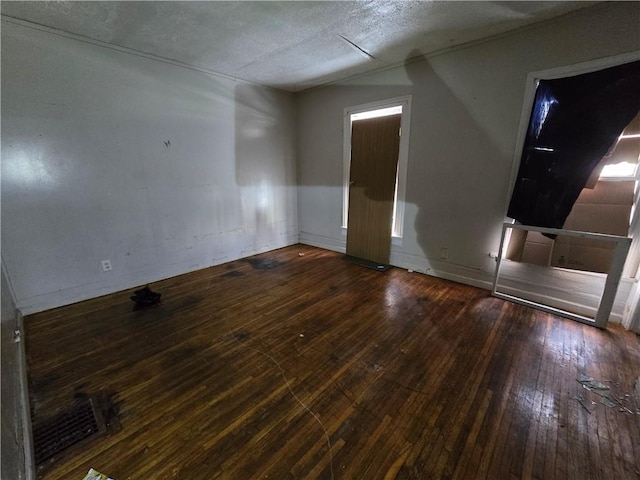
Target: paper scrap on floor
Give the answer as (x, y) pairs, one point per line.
(94, 475)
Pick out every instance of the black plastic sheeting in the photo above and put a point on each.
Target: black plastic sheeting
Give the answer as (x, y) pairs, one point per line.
(574, 123)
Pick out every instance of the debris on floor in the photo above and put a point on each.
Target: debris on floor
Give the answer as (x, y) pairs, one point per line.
(607, 402)
(145, 298)
(580, 399)
(95, 475)
(607, 397)
(593, 385)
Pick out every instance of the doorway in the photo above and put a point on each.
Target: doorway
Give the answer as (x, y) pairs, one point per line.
(375, 167)
(375, 144)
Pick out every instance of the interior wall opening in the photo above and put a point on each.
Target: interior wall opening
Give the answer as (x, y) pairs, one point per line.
(600, 142)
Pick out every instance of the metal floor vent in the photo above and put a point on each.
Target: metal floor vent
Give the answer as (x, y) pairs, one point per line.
(52, 436)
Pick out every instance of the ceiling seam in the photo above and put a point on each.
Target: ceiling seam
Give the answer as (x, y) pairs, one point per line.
(362, 50)
(455, 48)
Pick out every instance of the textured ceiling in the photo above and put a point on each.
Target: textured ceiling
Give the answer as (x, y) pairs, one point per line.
(287, 45)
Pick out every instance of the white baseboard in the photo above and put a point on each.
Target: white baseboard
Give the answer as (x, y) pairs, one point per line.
(408, 261)
(440, 269)
(321, 241)
(579, 300)
(68, 296)
(474, 281)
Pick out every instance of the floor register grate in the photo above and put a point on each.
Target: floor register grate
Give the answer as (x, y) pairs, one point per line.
(52, 436)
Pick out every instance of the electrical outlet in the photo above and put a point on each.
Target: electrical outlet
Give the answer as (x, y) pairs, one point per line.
(444, 253)
(106, 265)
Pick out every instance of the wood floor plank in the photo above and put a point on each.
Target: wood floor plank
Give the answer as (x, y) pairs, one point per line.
(297, 364)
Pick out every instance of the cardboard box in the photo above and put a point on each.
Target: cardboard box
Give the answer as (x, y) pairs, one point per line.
(537, 249)
(609, 219)
(608, 193)
(580, 257)
(605, 209)
(516, 245)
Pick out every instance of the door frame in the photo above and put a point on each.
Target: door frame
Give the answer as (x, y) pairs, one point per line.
(403, 160)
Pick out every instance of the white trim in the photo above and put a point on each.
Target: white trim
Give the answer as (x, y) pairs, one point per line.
(545, 308)
(614, 274)
(403, 156)
(27, 436)
(322, 241)
(459, 278)
(631, 315)
(586, 67)
(380, 112)
(632, 267)
(579, 303)
(568, 233)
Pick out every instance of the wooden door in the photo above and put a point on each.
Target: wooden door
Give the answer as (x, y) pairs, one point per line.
(374, 162)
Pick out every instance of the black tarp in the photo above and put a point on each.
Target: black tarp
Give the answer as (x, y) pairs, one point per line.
(574, 123)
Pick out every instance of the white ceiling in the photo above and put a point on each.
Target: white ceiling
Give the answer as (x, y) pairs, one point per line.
(288, 45)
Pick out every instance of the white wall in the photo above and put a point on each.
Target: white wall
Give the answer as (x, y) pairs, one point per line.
(86, 174)
(466, 111)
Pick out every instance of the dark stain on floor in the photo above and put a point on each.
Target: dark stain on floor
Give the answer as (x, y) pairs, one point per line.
(264, 263)
(233, 273)
(241, 336)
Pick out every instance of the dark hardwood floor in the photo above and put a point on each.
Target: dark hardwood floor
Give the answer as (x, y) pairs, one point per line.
(298, 364)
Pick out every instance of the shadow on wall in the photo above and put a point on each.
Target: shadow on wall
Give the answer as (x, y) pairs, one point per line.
(451, 167)
(265, 164)
(456, 179)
